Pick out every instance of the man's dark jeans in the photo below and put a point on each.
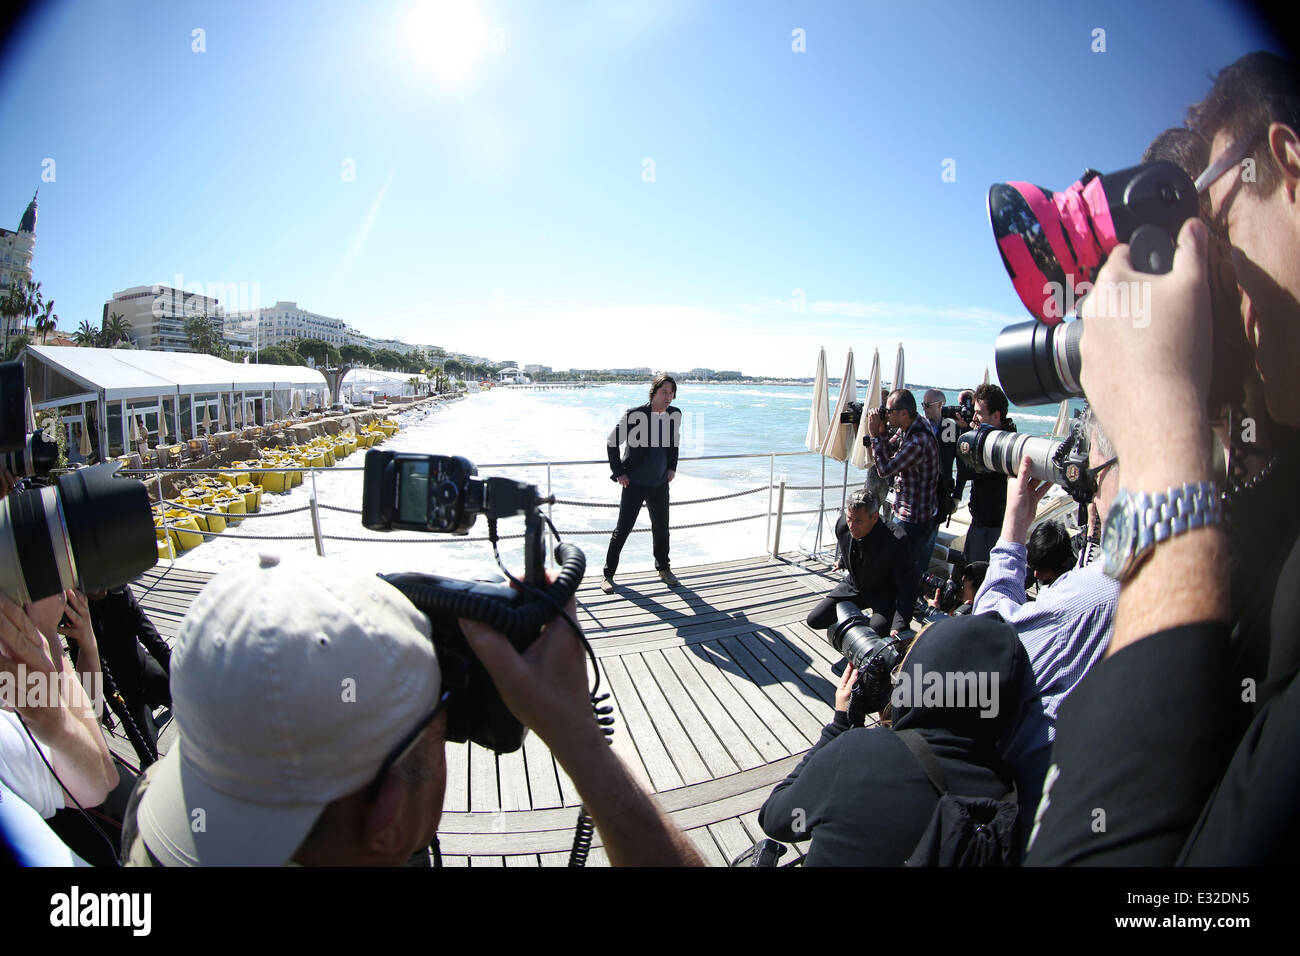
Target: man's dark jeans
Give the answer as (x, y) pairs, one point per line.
(656, 500)
(918, 536)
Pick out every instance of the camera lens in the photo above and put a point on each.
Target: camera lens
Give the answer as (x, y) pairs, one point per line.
(35, 457)
(92, 531)
(988, 449)
(1039, 364)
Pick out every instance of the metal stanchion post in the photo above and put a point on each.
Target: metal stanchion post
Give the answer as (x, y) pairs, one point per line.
(315, 517)
(780, 509)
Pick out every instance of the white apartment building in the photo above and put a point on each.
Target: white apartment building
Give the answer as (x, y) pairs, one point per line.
(158, 313)
(285, 321)
(16, 251)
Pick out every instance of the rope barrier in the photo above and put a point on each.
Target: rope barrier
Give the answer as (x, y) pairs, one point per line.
(675, 504)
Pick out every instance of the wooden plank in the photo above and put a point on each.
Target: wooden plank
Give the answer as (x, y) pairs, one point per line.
(483, 794)
(765, 651)
(813, 674)
(457, 797)
(759, 726)
(675, 739)
(711, 749)
(512, 781)
(731, 837)
(637, 725)
(543, 787)
(455, 861)
(554, 859)
(707, 847)
(487, 861)
(522, 860)
(776, 690)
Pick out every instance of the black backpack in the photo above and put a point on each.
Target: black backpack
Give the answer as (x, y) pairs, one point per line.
(964, 831)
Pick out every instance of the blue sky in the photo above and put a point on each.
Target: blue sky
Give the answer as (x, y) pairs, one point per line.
(586, 183)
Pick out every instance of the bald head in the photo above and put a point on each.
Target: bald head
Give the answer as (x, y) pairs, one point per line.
(933, 404)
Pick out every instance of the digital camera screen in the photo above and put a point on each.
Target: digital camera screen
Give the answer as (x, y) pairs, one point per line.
(413, 491)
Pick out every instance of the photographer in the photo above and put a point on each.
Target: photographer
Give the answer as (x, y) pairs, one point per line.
(911, 454)
(282, 767)
(1050, 552)
(1160, 715)
(988, 492)
(860, 795)
(1066, 629)
(971, 579)
(878, 566)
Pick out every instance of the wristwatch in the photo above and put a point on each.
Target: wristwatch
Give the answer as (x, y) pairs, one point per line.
(1136, 523)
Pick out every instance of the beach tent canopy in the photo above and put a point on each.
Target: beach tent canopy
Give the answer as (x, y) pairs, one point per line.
(129, 373)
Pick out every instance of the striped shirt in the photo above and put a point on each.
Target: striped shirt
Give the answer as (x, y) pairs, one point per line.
(914, 457)
(1065, 632)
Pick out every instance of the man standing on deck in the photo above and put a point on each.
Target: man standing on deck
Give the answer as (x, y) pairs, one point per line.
(652, 434)
(988, 492)
(912, 453)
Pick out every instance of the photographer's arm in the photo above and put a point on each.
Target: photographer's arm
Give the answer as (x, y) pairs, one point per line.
(546, 688)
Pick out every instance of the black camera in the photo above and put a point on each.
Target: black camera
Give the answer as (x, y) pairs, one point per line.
(442, 493)
(949, 591)
(873, 655)
(852, 414)
(1054, 244)
(21, 454)
(91, 530)
(967, 410)
(1062, 461)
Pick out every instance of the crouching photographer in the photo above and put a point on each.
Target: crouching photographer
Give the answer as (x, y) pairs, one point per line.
(877, 796)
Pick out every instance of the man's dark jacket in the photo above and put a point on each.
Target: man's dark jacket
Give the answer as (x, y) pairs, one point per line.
(123, 633)
(626, 432)
(879, 569)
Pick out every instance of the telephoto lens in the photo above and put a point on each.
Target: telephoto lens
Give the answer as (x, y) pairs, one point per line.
(987, 449)
(36, 457)
(91, 531)
(871, 653)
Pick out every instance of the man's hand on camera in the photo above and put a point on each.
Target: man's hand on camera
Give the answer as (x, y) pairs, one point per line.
(1023, 495)
(624, 480)
(24, 651)
(875, 424)
(845, 690)
(7, 482)
(546, 686)
(78, 628)
(1146, 369)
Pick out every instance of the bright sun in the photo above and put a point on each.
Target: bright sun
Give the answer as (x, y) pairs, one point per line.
(447, 37)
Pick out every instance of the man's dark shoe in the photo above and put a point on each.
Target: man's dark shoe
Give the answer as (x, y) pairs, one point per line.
(607, 584)
(667, 577)
(838, 667)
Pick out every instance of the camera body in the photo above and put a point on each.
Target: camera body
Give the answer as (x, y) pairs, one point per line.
(852, 414)
(22, 454)
(1054, 244)
(443, 494)
(949, 591)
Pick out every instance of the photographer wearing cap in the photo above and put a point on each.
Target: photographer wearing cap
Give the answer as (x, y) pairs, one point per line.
(1161, 714)
(911, 454)
(312, 713)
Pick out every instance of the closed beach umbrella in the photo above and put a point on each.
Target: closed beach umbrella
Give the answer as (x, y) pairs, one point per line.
(1062, 426)
(986, 374)
(862, 456)
(899, 378)
(819, 420)
(31, 415)
(839, 437)
(84, 445)
(207, 419)
(162, 424)
(295, 405)
(221, 415)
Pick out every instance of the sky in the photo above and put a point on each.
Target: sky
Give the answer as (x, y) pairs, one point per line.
(727, 184)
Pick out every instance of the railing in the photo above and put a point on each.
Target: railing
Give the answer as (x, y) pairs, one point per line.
(776, 495)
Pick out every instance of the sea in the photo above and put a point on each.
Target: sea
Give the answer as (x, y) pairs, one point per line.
(515, 432)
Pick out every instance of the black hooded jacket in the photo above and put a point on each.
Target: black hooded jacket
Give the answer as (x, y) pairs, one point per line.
(861, 796)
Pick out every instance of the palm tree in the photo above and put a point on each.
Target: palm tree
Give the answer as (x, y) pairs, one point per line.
(47, 321)
(87, 334)
(21, 302)
(116, 328)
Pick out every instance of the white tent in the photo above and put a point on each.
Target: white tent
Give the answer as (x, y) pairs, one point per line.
(819, 419)
(862, 456)
(838, 437)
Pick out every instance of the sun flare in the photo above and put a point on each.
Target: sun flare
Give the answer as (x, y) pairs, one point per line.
(448, 38)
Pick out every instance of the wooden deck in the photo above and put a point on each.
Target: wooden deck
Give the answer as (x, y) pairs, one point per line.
(718, 687)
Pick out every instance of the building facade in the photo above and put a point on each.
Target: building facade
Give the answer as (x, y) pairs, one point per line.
(157, 315)
(16, 251)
